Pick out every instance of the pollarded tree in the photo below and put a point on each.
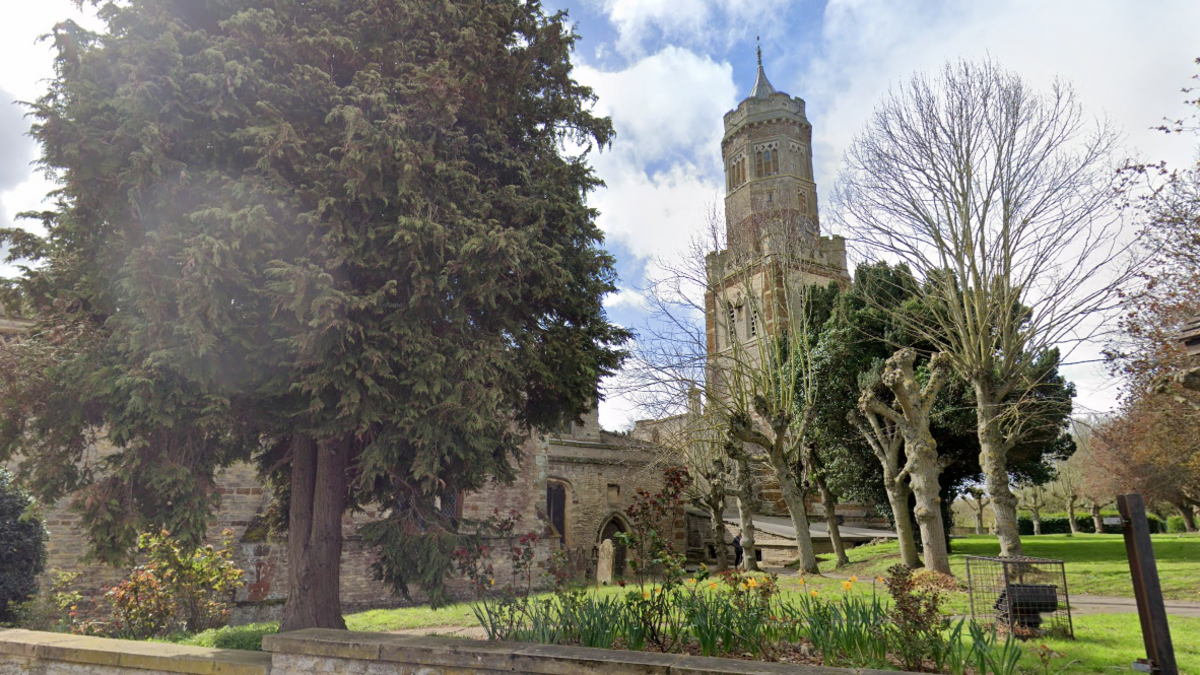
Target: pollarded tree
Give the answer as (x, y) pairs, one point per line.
(909, 415)
(997, 197)
(340, 236)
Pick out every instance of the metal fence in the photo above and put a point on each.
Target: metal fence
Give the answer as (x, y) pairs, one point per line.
(1025, 596)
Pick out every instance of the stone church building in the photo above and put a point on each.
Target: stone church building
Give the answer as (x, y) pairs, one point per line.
(573, 485)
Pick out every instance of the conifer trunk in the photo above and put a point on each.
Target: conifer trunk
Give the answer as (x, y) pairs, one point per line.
(747, 505)
(835, 534)
(318, 493)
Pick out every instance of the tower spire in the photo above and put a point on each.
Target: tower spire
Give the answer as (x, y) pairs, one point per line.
(762, 86)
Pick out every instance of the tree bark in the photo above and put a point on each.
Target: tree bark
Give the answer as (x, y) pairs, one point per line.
(717, 512)
(898, 494)
(1037, 521)
(922, 466)
(318, 497)
(1071, 515)
(928, 512)
(747, 505)
(886, 441)
(979, 519)
(993, 457)
(795, 505)
(835, 534)
(1189, 517)
(1097, 521)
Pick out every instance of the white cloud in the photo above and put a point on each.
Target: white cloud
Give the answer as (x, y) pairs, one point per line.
(663, 172)
(691, 22)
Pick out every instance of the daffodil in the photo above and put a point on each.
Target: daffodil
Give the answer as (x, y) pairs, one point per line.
(801, 581)
(713, 585)
(879, 579)
(854, 578)
(646, 595)
(847, 585)
(752, 583)
(691, 581)
(813, 593)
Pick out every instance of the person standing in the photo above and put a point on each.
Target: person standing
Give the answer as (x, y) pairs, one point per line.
(737, 551)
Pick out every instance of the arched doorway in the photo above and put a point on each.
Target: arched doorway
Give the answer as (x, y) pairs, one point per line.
(614, 525)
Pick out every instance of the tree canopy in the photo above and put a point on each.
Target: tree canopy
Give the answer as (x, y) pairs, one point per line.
(339, 236)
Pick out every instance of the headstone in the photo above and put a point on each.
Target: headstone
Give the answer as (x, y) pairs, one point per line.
(604, 566)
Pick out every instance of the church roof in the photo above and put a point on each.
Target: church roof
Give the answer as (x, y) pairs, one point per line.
(762, 86)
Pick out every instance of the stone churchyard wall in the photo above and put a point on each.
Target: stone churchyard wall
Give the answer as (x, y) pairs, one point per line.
(328, 651)
(600, 472)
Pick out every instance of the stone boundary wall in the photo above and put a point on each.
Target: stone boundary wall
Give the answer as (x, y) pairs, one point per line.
(328, 651)
(26, 652)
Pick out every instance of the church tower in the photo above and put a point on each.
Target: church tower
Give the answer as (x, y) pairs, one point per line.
(773, 236)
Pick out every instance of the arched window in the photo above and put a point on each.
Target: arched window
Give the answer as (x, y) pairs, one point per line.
(758, 164)
(774, 162)
(556, 509)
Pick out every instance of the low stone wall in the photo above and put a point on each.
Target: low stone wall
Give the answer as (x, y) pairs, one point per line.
(345, 653)
(25, 652)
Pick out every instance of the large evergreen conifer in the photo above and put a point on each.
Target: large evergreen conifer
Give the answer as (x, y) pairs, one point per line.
(342, 237)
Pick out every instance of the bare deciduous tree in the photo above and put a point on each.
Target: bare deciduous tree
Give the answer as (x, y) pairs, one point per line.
(886, 441)
(997, 197)
(910, 415)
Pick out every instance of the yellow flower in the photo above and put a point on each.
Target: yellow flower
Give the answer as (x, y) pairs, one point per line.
(752, 583)
(690, 581)
(813, 593)
(879, 579)
(801, 581)
(743, 586)
(713, 585)
(646, 595)
(491, 582)
(847, 585)
(854, 578)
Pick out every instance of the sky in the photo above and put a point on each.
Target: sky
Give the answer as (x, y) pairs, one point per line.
(666, 71)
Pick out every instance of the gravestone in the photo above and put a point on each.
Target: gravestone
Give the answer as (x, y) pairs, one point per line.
(604, 566)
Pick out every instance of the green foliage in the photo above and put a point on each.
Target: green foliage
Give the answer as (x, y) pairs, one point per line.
(177, 589)
(1176, 524)
(1060, 524)
(22, 547)
(340, 219)
(248, 637)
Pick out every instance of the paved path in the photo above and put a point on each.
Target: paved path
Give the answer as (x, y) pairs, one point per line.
(782, 527)
(1099, 604)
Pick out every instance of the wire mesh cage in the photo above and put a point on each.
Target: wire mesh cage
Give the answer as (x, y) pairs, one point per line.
(1025, 596)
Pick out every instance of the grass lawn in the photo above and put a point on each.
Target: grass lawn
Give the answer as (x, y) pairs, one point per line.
(1096, 563)
(1108, 643)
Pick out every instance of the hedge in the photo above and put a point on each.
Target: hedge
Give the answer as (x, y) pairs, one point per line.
(1056, 524)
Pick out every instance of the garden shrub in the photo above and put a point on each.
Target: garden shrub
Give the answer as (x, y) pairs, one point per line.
(22, 548)
(1059, 524)
(175, 590)
(246, 638)
(1175, 524)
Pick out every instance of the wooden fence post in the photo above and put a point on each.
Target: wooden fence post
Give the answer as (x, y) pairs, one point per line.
(1156, 633)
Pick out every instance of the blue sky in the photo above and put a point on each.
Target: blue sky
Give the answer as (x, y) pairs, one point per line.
(667, 70)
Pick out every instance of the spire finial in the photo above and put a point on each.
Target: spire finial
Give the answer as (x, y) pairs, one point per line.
(762, 87)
